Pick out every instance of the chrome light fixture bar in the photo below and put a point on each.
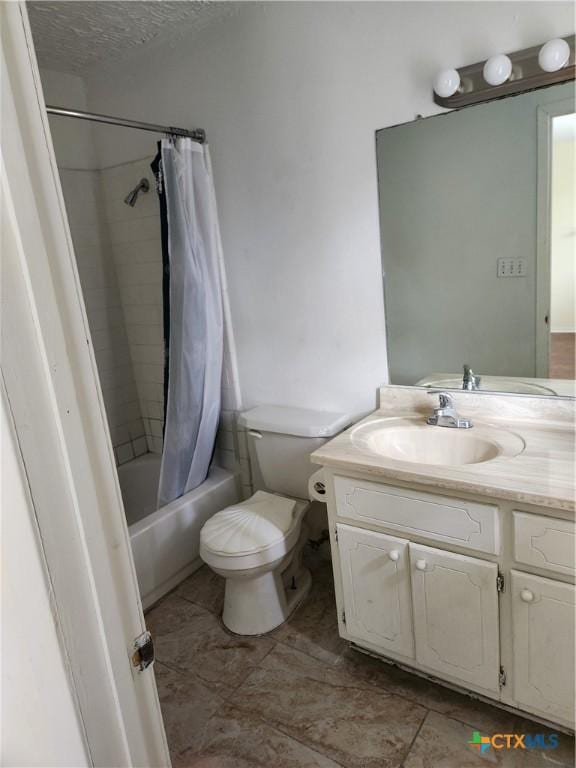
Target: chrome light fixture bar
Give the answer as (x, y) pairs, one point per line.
(196, 133)
(507, 75)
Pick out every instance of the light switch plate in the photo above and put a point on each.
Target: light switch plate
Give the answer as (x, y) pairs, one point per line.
(511, 267)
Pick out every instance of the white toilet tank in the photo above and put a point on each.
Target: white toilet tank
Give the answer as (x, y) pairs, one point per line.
(280, 441)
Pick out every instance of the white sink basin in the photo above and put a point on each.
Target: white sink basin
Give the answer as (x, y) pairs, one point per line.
(414, 441)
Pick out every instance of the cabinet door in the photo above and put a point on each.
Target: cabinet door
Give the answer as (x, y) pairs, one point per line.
(543, 615)
(456, 615)
(376, 586)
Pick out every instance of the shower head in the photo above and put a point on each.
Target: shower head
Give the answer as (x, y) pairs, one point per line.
(142, 186)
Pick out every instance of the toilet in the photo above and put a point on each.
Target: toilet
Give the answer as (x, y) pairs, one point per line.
(257, 545)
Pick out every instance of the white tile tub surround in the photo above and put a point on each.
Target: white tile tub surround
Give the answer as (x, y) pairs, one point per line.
(119, 254)
(232, 451)
(96, 268)
(137, 253)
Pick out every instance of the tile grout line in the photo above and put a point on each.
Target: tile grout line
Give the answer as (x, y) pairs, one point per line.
(272, 727)
(224, 697)
(278, 729)
(407, 755)
(370, 685)
(302, 743)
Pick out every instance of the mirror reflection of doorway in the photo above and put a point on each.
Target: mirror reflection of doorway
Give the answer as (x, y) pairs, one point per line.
(562, 319)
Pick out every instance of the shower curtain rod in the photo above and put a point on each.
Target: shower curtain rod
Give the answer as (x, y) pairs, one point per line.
(196, 133)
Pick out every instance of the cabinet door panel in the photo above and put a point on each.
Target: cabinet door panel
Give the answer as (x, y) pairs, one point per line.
(456, 615)
(543, 615)
(376, 586)
(441, 518)
(545, 542)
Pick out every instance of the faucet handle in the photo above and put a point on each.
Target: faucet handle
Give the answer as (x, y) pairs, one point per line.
(445, 398)
(445, 415)
(470, 381)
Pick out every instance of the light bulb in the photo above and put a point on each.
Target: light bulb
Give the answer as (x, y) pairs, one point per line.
(497, 69)
(554, 55)
(447, 82)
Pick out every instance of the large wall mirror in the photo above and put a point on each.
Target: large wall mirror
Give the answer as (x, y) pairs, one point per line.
(478, 224)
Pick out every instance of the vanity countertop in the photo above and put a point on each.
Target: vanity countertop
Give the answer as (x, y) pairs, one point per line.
(543, 474)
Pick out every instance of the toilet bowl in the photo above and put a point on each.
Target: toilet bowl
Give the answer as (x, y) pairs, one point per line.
(257, 547)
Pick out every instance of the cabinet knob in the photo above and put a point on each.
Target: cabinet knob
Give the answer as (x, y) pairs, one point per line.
(420, 565)
(394, 555)
(527, 596)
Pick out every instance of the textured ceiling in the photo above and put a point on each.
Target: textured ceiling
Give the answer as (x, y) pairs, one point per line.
(73, 36)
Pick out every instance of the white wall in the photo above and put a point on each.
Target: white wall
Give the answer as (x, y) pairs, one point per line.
(40, 724)
(291, 94)
(562, 246)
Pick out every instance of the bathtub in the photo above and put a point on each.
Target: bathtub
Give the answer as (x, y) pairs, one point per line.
(166, 541)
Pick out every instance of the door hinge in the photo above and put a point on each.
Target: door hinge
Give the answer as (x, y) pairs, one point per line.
(336, 534)
(500, 582)
(143, 654)
(502, 677)
(343, 617)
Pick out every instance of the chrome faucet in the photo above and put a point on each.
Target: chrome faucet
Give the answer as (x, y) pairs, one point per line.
(446, 415)
(470, 381)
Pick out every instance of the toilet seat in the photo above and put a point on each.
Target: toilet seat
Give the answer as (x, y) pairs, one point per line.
(254, 533)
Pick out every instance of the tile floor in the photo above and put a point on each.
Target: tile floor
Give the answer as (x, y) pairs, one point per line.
(300, 698)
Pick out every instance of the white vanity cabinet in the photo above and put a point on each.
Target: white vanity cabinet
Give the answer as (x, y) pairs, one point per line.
(455, 603)
(470, 591)
(376, 589)
(543, 642)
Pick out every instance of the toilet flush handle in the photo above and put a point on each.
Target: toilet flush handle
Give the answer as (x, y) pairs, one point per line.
(256, 435)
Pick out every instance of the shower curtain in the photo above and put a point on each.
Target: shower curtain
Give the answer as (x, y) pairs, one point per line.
(194, 364)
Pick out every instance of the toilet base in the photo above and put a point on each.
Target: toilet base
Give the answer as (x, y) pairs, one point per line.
(257, 601)
(258, 605)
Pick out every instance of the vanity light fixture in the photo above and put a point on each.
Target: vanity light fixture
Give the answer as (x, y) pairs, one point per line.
(447, 83)
(554, 55)
(497, 69)
(507, 74)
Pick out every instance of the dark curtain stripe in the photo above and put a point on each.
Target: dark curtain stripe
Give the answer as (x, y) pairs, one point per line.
(156, 166)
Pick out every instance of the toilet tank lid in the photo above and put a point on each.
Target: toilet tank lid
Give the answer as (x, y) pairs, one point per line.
(300, 422)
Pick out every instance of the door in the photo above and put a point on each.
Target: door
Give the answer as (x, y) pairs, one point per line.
(543, 616)
(55, 406)
(456, 615)
(376, 586)
(554, 259)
